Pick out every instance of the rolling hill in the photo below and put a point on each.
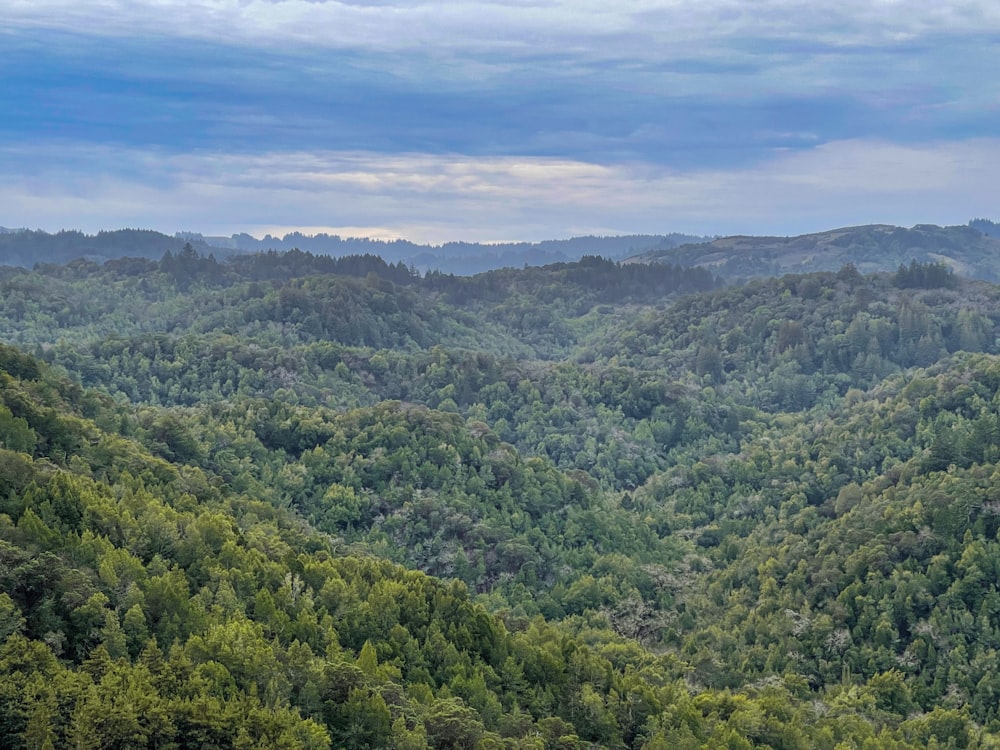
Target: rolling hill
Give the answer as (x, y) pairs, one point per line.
(871, 248)
(290, 501)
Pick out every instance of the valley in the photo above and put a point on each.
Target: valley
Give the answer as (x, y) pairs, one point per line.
(285, 500)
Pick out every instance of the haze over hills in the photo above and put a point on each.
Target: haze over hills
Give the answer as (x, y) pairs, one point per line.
(972, 251)
(453, 257)
(968, 250)
(25, 248)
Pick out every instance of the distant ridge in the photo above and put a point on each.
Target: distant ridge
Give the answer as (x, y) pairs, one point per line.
(871, 248)
(972, 251)
(26, 248)
(464, 258)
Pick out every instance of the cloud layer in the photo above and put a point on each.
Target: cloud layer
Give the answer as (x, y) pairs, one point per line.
(489, 120)
(478, 25)
(435, 198)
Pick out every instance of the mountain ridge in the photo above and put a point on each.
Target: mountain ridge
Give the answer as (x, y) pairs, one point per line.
(871, 248)
(970, 250)
(27, 247)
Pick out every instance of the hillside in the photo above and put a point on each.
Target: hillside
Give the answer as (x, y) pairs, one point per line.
(585, 505)
(23, 247)
(463, 258)
(871, 249)
(151, 603)
(787, 344)
(20, 247)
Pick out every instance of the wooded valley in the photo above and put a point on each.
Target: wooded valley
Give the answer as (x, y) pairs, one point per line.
(290, 501)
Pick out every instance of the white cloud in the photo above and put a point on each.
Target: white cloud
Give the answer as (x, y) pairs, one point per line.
(569, 26)
(895, 59)
(438, 198)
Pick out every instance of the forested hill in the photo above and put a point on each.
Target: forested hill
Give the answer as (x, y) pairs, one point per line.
(968, 250)
(971, 251)
(295, 501)
(300, 297)
(23, 247)
(148, 603)
(464, 258)
(19, 247)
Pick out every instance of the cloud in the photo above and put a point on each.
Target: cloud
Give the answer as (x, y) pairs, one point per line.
(434, 197)
(143, 93)
(557, 78)
(516, 26)
(501, 120)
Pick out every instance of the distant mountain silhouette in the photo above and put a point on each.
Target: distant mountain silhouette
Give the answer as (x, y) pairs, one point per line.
(967, 250)
(26, 248)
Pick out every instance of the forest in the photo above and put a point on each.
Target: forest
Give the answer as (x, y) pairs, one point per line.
(871, 248)
(285, 500)
(25, 247)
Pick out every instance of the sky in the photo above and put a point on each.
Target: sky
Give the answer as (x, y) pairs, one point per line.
(497, 121)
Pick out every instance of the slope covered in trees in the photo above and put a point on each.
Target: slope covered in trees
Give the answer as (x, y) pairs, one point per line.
(26, 248)
(970, 250)
(22, 247)
(783, 344)
(151, 604)
(268, 503)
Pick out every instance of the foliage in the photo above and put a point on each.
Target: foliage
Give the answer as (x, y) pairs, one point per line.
(925, 276)
(872, 248)
(287, 501)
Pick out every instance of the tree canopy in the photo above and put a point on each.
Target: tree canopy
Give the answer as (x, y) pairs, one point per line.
(296, 502)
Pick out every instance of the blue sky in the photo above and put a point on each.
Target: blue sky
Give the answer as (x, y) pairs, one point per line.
(491, 121)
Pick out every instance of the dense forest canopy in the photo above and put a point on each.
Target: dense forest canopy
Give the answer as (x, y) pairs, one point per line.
(287, 500)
